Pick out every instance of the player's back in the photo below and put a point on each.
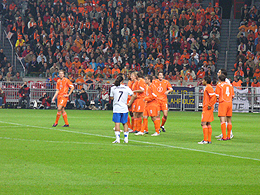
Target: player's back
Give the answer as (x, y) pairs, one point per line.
(225, 92)
(151, 94)
(141, 86)
(120, 95)
(208, 93)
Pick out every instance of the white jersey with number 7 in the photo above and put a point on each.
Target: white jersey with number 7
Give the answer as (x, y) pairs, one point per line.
(120, 95)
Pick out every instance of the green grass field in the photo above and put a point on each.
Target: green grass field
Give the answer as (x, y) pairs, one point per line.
(38, 159)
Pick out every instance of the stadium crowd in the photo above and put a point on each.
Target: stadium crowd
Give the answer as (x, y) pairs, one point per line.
(100, 38)
(247, 62)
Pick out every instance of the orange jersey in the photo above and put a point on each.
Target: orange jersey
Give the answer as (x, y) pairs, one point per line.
(141, 86)
(209, 98)
(151, 97)
(130, 85)
(224, 92)
(63, 86)
(161, 88)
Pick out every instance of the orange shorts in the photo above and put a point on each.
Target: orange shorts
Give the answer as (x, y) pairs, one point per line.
(225, 109)
(163, 105)
(62, 101)
(153, 110)
(139, 105)
(207, 115)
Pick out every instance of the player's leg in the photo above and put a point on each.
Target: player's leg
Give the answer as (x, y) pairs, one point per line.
(223, 128)
(229, 127)
(209, 132)
(116, 119)
(156, 121)
(138, 121)
(65, 117)
(204, 128)
(58, 113)
(164, 118)
(123, 120)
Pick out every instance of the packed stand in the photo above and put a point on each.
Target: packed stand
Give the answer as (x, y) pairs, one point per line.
(246, 67)
(96, 40)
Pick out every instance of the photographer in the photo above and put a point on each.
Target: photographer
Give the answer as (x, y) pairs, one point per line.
(81, 99)
(46, 101)
(104, 98)
(24, 93)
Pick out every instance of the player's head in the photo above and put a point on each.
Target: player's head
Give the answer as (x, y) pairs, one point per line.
(222, 77)
(61, 74)
(133, 76)
(148, 79)
(119, 79)
(139, 75)
(206, 80)
(160, 75)
(120, 74)
(222, 71)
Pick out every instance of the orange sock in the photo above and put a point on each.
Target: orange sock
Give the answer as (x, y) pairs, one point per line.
(223, 129)
(229, 128)
(157, 125)
(65, 117)
(139, 124)
(209, 133)
(163, 121)
(205, 132)
(145, 124)
(128, 123)
(57, 117)
(134, 125)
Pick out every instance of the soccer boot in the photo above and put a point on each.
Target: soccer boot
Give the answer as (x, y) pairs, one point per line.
(116, 142)
(163, 129)
(155, 134)
(55, 125)
(65, 125)
(139, 133)
(203, 142)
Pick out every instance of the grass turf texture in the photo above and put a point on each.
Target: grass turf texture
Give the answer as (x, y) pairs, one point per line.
(38, 159)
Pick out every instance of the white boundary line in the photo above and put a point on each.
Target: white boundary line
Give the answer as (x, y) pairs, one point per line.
(150, 143)
(9, 126)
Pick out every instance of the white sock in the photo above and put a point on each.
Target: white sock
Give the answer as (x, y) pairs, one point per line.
(126, 135)
(117, 133)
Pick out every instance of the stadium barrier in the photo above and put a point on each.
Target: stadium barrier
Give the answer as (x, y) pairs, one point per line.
(181, 99)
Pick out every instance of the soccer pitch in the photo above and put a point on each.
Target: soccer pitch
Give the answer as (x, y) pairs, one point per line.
(36, 158)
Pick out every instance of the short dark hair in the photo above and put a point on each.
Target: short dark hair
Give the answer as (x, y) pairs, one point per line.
(207, 79)
(222, 77)
(118, 80)
(150, 78)
(224, 72)
(139, 75)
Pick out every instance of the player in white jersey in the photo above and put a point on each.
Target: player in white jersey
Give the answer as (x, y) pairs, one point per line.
(119, 93)
(224, 72)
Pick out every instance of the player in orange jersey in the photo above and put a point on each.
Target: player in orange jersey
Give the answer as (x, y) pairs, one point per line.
(63, 86)
(225, 94)
(209, 99)
(152, 107)
(130, 124)
(163, 87)
(138, 105)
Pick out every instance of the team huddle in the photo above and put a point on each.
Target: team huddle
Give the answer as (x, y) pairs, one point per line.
(145, 97)
(148, 98)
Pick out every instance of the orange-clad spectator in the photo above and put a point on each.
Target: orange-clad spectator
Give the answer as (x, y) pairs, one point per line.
(210, 8)
(76, 62)
(115, 71)
(257, 73)
(81, 70)
(68, 63)
(239, 72)
(89, 69)
(185, 55)
(80, 81)
(78, 41)
(237, 83)
(150, 9)
(107, 71)
(176, 76)
(255, 83)
(201, 73)
(252, 27)
(75, 48)
(12, 6)
(188, 77)
(159, 64)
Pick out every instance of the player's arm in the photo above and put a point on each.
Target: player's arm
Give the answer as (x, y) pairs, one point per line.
(152, 96)
(111, 93)
(213, 98)
(55, 95)
(232, 92)
(217, 91)
(71, 90)
(169, 87)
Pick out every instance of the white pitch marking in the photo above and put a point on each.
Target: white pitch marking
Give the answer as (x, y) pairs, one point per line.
(150, 143)
(9, 126)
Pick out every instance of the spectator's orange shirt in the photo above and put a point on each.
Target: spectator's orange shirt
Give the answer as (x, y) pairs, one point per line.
(200, 74)
(115, 70)
(187, 56)
(224, 92)
(158, 65)
(63, 86)
(255, 84)
(107, 71)
(161, 88)
(239, 73)
(77, 64)
(150, 10)
(257, 75)
(237, 84)
(79, 43)
(80, 80)
(68, 64)
(89, 70)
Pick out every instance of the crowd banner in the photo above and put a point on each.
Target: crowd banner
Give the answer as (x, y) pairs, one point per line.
(176, 98)
(240, 101)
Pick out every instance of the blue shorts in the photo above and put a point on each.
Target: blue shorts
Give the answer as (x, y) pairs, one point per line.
(120, 117)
